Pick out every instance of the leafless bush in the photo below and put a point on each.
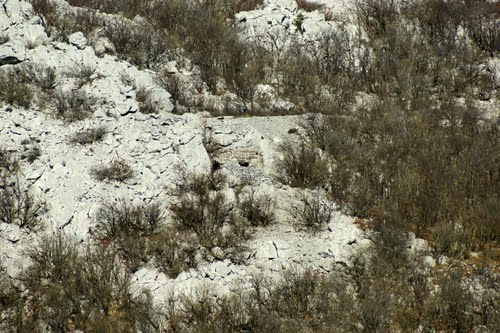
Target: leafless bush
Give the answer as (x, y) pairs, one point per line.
(72, 105)
(19, 206)
(308, 5)
(257, 210)
(129, 228)
(45, 78)
(83, 73)
(141, 45)
(205, 211)
(146, 102)
(70, 290)
(314, 214)
(173, 252)
(91, 135)
(174, 84)
(14, 87)
(117, 169)
(8, 164)
(301, 165)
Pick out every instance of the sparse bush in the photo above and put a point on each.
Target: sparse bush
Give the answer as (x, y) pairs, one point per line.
(174, 84)
(45, 78)
(14, 87)
(301, 165)
(117, 169)
(68, 290)
(8, 164)
(258, 211)
(17, 205)
(313, 214)
(173, 252)
(72, 105)
(129, 228)
(83, 73)
(204, 211)
(31, 150)
(146, 102)
(88, 136)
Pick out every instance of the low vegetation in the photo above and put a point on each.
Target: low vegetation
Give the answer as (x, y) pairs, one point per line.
(387, 291)
(15, 88)
(118, 169)
(70, 288)
(396, 139)
(72, 105)
(89, 136)
(204, 211)
(17, 204)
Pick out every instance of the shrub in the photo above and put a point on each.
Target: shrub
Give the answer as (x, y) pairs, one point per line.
(68, 290)
(301, 165)
(88, 136)
(173, 252)
(258, 211)
(204, 211)
(45, 78)
(314, 213)
(382, 154)
(8, 164)
(117, 169)
(174, 84)
(129, 229)
(17, 205)
(146, 102)
(15, 88)
(83, 73)
(72, 105)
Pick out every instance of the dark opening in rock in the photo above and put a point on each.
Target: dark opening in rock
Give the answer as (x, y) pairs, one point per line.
(215, 165)
(243, 163)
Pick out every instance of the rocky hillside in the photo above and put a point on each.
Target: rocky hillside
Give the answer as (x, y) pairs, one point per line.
(154, 146)
(185, 173)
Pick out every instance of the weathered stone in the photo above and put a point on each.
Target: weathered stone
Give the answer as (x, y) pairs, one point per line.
(12, 52)
(78, 40)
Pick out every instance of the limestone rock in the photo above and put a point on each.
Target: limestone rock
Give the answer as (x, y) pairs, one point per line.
(12, 52)
(78, 40)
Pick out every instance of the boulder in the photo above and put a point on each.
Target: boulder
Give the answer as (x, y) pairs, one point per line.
(103, 46)
(78, 40)
(12, 52)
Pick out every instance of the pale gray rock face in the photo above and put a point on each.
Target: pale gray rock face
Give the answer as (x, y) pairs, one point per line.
(12, 52)
(78, 40)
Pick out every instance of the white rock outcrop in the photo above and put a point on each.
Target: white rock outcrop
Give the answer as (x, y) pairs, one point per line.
(12, 52)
